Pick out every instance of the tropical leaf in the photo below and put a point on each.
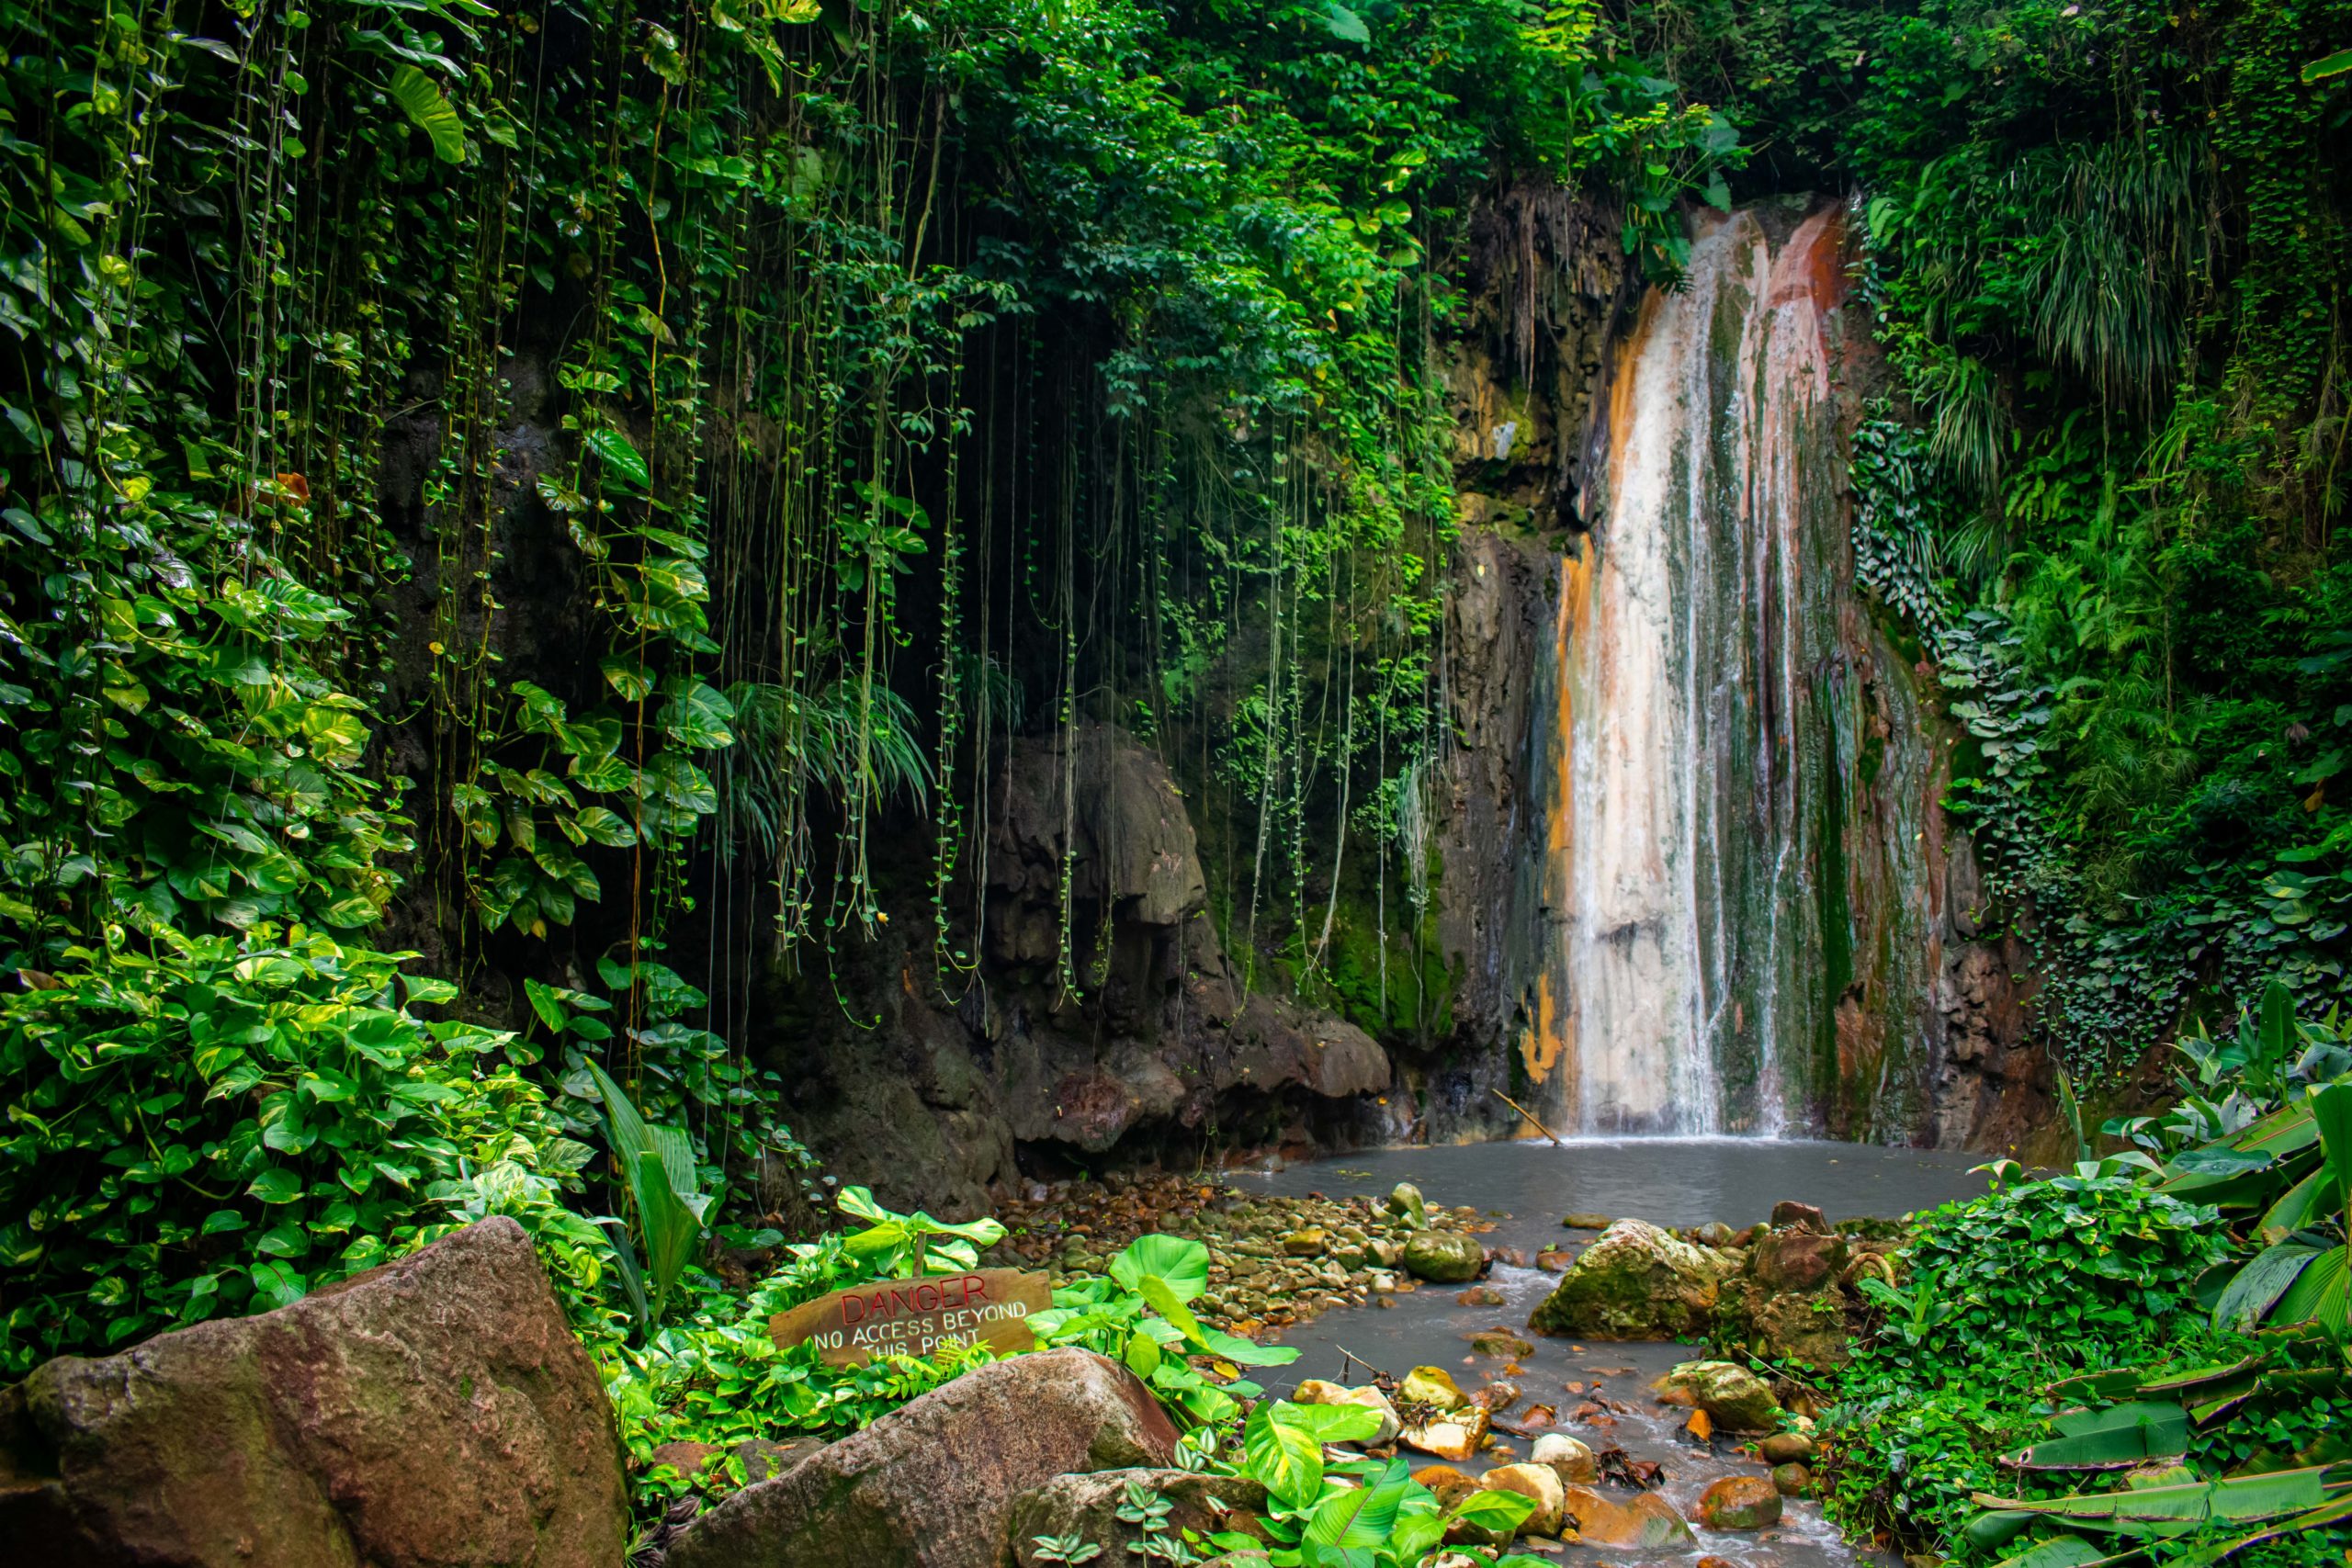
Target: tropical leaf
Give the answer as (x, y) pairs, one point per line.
(2322, 1293)
(1345, 25)
(2058, 1552)
(2335, 64)
(1361, 1517)
(2165, 1511)
(2256, 1289)
(1182, 1263)
(620, 455)
(420, 98)
(2113, 1439)
(1286, 1461)
(1501, 1512)
(1331, 1422)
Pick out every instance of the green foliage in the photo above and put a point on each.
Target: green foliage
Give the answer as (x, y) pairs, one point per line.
(1138, 1313)
(1355, 1513)
(203, 1124)
(657, 1170)
(2099, 240)
(905, 1246)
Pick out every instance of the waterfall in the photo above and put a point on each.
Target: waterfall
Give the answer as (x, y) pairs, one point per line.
(1695, 885)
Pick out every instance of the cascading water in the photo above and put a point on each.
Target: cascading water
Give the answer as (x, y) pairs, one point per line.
(1694, 885)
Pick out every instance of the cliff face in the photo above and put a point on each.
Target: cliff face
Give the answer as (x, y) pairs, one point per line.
(1840, 983)
(937, 1065)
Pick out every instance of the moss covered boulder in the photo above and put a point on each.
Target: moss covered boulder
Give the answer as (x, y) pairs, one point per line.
(1444, 1258)
(433, 1413)
(1740, 1502)
(1635, 1282)
(1734, 1397)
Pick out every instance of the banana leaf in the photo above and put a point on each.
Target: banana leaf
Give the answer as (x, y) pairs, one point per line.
(2317, 1518)
(2058, 1552)
(2114, 1438)
(2111, 1384)
(2256, 1288)
(2306, 1200)
(2166, 1511)
(2320, 1293)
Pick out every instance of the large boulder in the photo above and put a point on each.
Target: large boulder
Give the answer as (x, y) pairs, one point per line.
(933, 1485)
(1739, 1503)
(1635, 1282)
(1088, 1507)
(1734, 1398)
(436, 1410)
(1444, 1258)
(1644, 1522)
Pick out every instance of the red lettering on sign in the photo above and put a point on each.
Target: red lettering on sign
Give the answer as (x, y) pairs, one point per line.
(926, 1297)
(980, 1288)
(853, 1309)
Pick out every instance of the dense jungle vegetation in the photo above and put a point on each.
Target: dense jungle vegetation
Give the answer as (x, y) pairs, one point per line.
(516, 517)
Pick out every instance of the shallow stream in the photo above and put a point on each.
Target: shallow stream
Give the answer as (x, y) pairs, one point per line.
(1523, 1188)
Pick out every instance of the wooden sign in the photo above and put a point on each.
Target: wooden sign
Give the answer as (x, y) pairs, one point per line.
(915, 1317)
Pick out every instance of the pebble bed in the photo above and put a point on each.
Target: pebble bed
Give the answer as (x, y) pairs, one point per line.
(1273, 1261)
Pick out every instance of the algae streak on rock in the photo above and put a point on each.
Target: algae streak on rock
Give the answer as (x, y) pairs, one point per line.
(1691, 764)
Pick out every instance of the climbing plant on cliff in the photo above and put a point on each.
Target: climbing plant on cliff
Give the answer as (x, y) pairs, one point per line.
(2106, 257)
(556, 489)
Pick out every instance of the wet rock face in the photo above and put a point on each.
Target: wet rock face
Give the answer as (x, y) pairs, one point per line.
(934, 1106)
(934, 1483)
(1635, 1282)
(433, 1413)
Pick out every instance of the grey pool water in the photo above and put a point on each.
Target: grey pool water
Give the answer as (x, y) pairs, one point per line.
(1530, 1185)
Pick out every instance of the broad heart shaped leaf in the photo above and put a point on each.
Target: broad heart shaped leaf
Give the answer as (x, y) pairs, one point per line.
(1415, 1534)
(1345, 25)
(858, 1203)
(1162, 1297)
(1497, 1511)
(2255, 1288)
(1283, 1459)
(1358, 1516)
(621, 458)
(1182, 1264)
(420, 99)
(1329, 1423)
(2322, 1293)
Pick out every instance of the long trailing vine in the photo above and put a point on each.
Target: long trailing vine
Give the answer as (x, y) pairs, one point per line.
(533, 501)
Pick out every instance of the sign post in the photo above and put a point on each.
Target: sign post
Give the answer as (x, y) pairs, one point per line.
(916, 1317)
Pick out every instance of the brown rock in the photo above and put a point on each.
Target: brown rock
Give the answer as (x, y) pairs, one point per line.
(687, 1458)
(1088, 1508)
(1644, 1521)
(933, 1485)
(1789, 1214)
(1794, 1260)
(1786, 1448)
(1739, 1503)
(435, 1411)
(1447, 1484)
(1792, 1480)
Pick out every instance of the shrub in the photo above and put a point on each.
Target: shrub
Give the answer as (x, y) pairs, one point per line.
(203, 1124)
